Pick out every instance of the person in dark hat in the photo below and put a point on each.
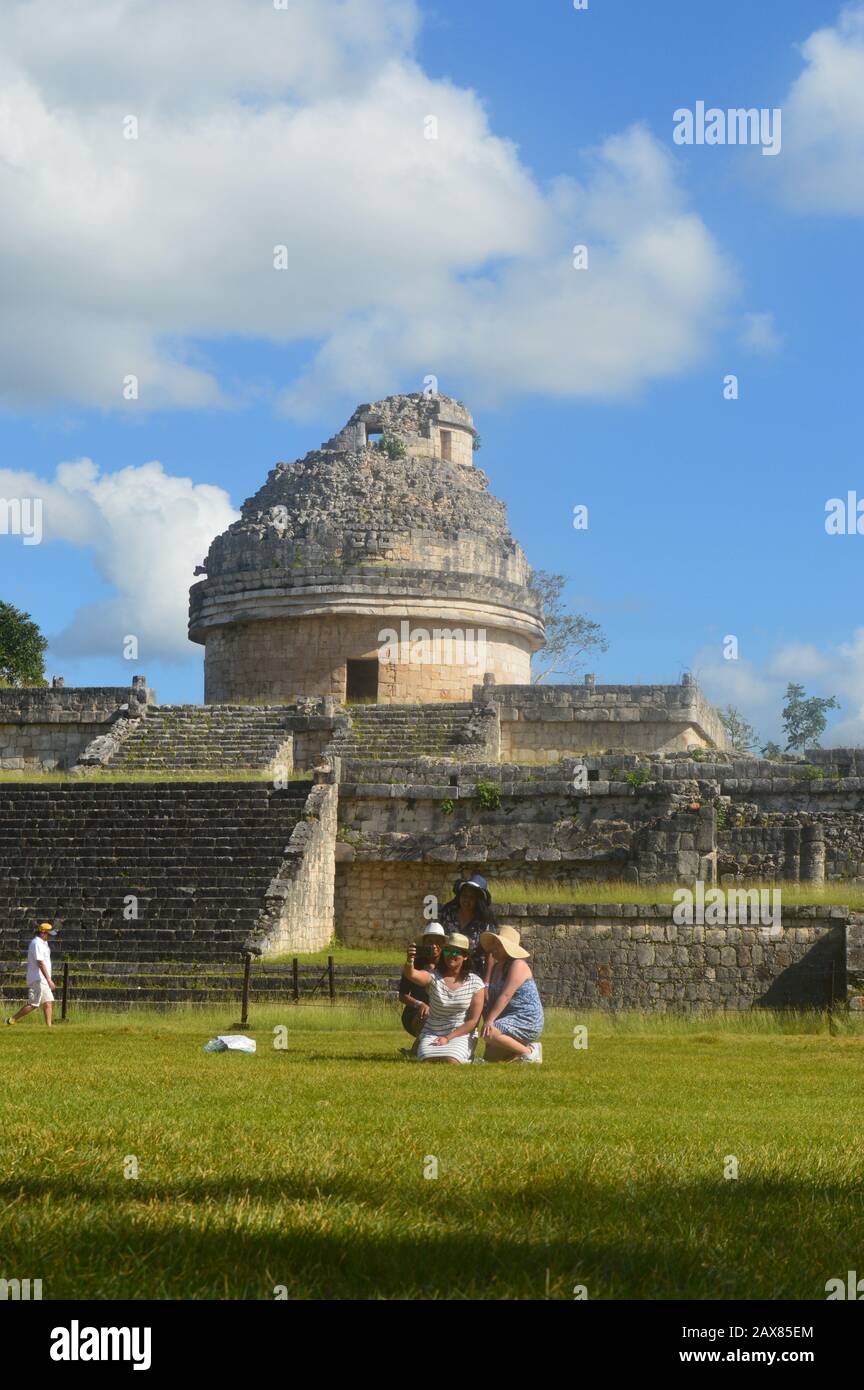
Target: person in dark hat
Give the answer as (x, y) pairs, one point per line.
(470, 913)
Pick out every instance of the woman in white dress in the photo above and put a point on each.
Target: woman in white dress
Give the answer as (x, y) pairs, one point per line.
(455, 1002)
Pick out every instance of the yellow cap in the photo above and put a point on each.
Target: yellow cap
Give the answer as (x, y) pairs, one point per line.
(45, 926)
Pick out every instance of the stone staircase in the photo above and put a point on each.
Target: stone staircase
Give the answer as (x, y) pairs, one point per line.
(197, 857)
(408, 731)
(171, 738)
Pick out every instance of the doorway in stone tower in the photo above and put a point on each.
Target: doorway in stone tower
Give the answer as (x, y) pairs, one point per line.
(361, 683)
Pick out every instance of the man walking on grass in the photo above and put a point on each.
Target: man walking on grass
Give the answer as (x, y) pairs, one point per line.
(40, 986)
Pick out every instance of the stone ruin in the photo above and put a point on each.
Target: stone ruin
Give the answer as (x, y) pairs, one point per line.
(389, 768)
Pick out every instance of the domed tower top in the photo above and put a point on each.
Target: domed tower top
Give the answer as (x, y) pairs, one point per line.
(387, 527)
(427, 426)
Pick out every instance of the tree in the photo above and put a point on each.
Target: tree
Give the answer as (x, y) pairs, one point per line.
(22, 648)
(742, 736)
(804, 719)
(772, 750)
(569, 636)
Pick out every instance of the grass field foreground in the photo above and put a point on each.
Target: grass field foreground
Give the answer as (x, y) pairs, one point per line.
(305, 1169)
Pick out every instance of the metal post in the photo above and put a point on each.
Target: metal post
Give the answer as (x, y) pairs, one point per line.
(295, 974)
(65, 991)
(331, 979)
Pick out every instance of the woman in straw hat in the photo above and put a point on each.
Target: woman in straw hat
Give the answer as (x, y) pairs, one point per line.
(455, 1002)
(514, 1017)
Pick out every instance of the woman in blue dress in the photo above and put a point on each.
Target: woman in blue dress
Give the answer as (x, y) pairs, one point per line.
(514, 1014)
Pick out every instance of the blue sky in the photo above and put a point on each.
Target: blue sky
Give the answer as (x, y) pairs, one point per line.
(706, 514)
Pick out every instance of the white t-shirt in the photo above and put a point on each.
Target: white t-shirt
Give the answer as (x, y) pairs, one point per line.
(36, 951)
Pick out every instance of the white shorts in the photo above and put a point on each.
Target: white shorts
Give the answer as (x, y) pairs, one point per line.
(40, 993)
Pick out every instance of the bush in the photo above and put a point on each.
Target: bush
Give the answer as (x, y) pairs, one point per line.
(489, 795)
(393, 448)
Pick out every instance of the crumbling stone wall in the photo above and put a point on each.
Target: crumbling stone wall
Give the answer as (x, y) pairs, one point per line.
(298, 912)
(795, 846)
(546, 723)
(348, 542)
(419, 421)
(45, 728)
(636, 957)
(855, 962)
(624, 956)
(504, 816)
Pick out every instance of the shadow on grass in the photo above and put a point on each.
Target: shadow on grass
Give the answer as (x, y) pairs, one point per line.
(361, 1239)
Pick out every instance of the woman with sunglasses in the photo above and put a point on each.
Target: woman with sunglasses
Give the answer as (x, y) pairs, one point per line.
(456, 999)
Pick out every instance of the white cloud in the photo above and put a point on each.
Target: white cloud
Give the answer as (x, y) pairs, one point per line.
(147, 532)
(847, 676)
(643, 309)
(797, 661)
(822, 164)
(305, 128)
(737, 683)
(760, 691)
(97, 52)
(759, 333)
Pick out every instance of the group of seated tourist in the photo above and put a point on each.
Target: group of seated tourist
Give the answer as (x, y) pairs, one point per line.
(469, 980)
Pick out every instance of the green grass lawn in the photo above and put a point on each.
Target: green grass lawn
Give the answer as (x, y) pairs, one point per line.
(391, 954)
(837, 893)
(305, 1167)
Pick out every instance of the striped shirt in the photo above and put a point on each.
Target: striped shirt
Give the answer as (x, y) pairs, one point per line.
(448, 1009)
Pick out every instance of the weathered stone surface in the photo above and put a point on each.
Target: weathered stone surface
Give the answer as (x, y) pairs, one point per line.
(352, 540)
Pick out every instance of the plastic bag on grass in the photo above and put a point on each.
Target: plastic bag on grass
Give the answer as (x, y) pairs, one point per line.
(230, 1042)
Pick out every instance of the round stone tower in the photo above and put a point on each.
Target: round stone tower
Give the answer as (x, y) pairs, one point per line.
(377, 567)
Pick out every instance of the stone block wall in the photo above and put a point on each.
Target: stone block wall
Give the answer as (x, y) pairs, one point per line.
(546, 723)
(855, 962)
(284, 657)
(513, 821)
(309, 746)
(547, 741)
(44, 747)
(625, 956)
(636, 957)
(44, 728)
(298, 914)
(380, 904)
